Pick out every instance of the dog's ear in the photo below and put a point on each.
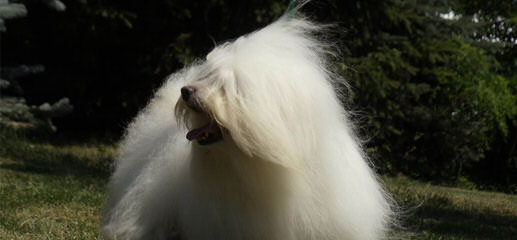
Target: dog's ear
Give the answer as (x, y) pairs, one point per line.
(270, 143)
(265, 140)
(259, 126)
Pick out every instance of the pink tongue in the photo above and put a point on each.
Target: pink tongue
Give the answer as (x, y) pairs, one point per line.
(209, 128)
(195, 133)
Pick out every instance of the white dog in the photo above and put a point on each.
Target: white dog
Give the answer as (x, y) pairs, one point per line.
(251, 143)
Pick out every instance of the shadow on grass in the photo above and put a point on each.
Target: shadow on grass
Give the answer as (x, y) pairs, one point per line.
(438, 216)
(69, 168)
(21, 153)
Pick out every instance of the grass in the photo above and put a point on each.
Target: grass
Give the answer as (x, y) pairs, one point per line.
(56, 190)
(51, 191)
(436, 212)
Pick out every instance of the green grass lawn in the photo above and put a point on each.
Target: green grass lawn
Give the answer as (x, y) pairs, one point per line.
(51, 191)
(56, 191)
(435, 212)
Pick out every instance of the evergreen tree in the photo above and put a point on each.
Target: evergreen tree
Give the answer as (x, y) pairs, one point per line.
(500, 26)
(437, 79)
(434, 97)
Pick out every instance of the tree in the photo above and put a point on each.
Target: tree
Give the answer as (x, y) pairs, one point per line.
(500, 21)
(435, 80)
(435, 99)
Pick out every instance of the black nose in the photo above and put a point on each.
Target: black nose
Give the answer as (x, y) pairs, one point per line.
(186, 92)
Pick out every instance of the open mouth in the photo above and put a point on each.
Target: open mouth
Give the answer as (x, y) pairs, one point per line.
(207, 134)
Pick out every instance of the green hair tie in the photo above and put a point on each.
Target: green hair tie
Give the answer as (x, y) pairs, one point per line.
(290, 9)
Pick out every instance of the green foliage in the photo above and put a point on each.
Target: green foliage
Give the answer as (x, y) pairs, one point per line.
(439, 95)
(477, 89)
(436, 101)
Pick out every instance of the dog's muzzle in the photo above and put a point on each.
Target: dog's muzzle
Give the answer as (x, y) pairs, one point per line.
(208, 133)
(188, 96)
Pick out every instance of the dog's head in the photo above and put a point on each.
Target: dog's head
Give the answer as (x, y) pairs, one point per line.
(264, 92)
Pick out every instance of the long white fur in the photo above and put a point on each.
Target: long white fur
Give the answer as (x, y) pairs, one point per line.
(289, 167)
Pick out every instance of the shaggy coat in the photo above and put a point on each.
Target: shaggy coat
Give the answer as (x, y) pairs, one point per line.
(251, 143)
